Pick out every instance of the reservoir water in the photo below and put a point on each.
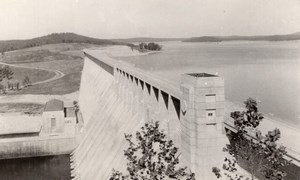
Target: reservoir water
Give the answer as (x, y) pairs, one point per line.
(36, 168)
(266, 71)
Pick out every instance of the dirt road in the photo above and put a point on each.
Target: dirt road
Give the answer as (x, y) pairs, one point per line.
(58, 74)
(37, 98)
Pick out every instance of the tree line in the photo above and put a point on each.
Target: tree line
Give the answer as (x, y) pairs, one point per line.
(54, 38)
(7, 73)
(150, 46)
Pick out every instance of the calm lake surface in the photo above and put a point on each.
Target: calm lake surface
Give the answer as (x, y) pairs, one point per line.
(37, 168)
(266, 71)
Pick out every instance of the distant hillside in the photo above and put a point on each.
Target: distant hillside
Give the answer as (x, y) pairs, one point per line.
(54, 38)
(286, 37)
(146, 39)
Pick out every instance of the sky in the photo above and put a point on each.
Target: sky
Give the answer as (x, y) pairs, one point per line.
(22, 19)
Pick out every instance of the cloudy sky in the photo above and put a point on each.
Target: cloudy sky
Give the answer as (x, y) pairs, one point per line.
(20, 19)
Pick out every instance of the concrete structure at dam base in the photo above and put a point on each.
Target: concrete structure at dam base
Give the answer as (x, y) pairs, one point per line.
(116, 98)
(53, 133)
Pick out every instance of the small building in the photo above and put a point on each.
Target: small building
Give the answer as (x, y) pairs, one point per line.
(50, 134)
(53, 117)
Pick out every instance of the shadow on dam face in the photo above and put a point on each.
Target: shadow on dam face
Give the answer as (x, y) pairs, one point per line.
(36, 168)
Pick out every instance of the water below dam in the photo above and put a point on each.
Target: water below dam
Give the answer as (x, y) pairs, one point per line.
(266, 71)
(36, 168)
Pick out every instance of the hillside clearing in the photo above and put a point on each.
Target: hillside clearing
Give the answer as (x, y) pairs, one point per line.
(67, 84)
(65, 58)
(34, 75)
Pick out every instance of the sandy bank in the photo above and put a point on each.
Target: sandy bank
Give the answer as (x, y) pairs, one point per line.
(123, 51)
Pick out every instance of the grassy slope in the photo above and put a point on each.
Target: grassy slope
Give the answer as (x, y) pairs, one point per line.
(54, 38)
(65, 85)
(48, 52)
(20, 73)
(66, 58)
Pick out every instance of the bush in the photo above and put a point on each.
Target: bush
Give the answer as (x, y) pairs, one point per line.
(259, 154)
(150, 46)
(152, 156)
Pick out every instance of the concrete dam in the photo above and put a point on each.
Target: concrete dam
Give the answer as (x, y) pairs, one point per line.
(116, 98)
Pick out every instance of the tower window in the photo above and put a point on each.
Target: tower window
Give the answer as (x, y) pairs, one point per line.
(210, 116)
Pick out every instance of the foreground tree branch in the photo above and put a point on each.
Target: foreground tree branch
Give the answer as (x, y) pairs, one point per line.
(259, 154)
(151, 156)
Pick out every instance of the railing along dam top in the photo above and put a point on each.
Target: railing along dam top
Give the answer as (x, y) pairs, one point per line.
(112, 65)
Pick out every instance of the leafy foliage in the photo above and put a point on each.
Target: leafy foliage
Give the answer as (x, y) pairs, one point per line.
(26, 82)
(259, 153)
(152, 157)
(6, 72)
(150, 46)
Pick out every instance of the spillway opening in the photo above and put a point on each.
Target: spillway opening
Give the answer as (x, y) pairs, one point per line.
(165, 97)
(156, 93)
(136, 81)
(176, 103)
(131, 77)
(148, 88)
(142, 84)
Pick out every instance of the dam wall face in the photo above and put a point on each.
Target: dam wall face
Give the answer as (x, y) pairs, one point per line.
(117, 98)
(36, 146)
(106, 119)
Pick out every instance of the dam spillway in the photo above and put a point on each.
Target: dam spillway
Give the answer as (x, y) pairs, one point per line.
(116, 98)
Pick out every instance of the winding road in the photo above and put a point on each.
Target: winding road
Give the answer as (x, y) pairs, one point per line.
(25, 98)
(58, 74)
